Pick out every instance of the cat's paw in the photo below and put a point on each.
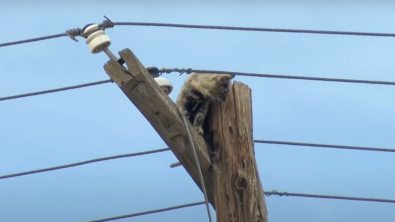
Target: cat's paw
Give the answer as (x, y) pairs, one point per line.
(199, 130)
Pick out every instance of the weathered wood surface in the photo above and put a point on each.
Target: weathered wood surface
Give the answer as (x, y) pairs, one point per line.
(161, 112)
(237, 187)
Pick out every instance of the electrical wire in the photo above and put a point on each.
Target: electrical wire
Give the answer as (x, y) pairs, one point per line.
(108, 24)
(176, 164)
(164, 70)
(54, 90)
(274, 192)
(179, 164)
(72, 33)
(250, 74)
(33, 39)
(267, 193)
(325, 145)
(197, 165)
(84, 162)
(148, 212)
(313, 145)
(255, 29)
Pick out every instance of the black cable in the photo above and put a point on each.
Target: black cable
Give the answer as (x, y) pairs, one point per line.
(73, 32)
(33, 39)
(84, 162)
(255, 29)
(276, 76)
(148, 212)
(267, 193)
(325, 145)
(173, 165)
(179, 164)
(209, 71)
(55, 90)
(274, 192)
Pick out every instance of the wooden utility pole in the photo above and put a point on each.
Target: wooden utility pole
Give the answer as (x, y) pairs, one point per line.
(161, 112)
(237, 187)
(238, 194)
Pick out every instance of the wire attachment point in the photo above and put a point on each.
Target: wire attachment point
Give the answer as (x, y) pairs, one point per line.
(275, 192)
(164, 83)
(181, 71)
(107, 23)
(72, 33)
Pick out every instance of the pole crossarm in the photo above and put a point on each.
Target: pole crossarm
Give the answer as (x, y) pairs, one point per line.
(161, 112)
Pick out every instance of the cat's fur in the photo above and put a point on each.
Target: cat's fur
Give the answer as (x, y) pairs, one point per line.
(197, 92)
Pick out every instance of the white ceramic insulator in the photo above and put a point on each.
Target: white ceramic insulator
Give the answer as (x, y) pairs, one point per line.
(98, 40)
(165, 84)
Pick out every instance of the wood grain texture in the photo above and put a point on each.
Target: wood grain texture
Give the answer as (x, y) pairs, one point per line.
(161, 112)
(237, 187)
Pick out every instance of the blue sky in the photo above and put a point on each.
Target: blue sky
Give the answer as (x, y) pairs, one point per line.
(98, 121)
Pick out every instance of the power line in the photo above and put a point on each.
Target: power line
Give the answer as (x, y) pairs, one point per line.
(208, 71)
(179, 164)
(55, 90)
(255, 29)
(277, 76)
(148, 212)
(313, 145)
(274, 192)
(325, 145)
(267, 193)
(33, 39)
(84, 162)
(72, 33)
